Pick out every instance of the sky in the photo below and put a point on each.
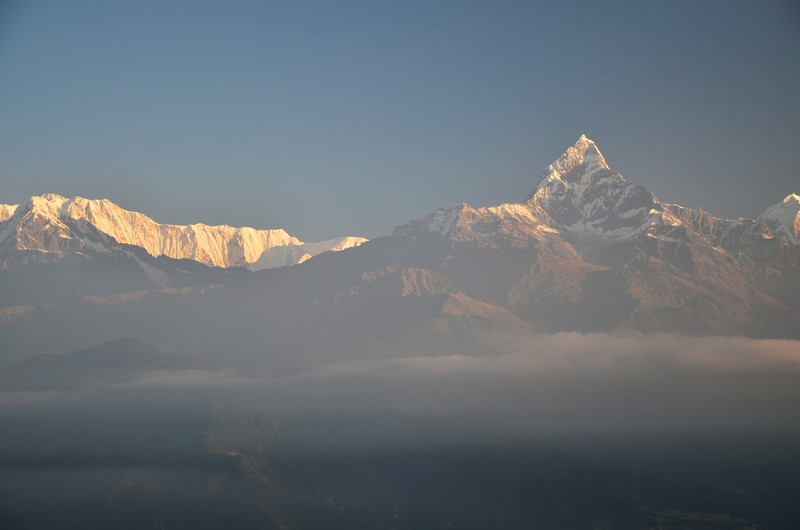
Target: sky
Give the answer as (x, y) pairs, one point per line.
(350, 118)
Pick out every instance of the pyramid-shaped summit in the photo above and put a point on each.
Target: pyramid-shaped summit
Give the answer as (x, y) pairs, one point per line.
(582, 157)
(581, 193)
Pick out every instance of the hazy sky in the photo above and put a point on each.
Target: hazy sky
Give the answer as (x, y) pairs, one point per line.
(332, 118)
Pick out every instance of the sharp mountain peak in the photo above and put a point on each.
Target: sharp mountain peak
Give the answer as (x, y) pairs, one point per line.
(582, 154)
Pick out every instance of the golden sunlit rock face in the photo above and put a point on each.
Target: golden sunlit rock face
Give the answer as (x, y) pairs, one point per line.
(578, 306)
(591, 307)
(52, 223)
(586, 251)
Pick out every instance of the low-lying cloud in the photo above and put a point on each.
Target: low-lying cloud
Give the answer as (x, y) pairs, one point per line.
(581, 381)
(565, 381)
(589, 352)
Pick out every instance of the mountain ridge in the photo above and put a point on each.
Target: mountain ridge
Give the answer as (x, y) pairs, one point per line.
(579, 195)
(588, 251)
(111, 362)
(220, 246)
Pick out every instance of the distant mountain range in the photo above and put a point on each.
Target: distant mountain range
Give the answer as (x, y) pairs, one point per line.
(49, 226)
(585, 251)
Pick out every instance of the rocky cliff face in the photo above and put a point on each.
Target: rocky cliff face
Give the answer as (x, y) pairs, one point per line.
(581, 199)
(783, 219)
(604, 250)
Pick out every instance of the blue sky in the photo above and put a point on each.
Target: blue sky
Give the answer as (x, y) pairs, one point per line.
(332, 118)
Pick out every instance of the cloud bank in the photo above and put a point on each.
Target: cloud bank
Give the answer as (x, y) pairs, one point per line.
(556, 383)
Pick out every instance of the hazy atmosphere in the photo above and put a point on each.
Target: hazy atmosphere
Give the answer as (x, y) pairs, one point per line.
(299, 265)
(353, 117)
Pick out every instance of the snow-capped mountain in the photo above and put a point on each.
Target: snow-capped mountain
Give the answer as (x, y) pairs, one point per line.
(587, 228)
(582, 195)
(577, 195)
(580, 198)
(586, 250)
(783, 219)
(7, 210)
(489, 227)
(54, 224)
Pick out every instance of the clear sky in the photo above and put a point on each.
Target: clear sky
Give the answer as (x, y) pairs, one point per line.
(330, 118)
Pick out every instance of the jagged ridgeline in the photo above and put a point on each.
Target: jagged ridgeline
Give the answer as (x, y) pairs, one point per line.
(586, 250)
(162, 376)
(51, 225)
